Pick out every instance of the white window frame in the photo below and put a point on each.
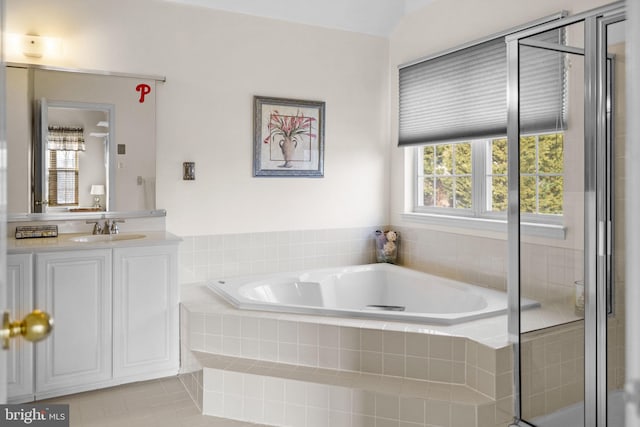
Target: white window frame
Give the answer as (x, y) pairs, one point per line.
(419, 183)
(479, 217)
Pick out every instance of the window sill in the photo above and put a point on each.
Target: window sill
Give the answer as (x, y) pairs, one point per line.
(550, 231)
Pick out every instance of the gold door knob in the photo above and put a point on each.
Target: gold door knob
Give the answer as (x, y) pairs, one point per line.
(34, 327)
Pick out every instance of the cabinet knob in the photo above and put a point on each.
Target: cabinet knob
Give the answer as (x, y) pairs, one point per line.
(34, 327)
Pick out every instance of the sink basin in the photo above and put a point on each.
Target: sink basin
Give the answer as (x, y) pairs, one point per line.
(90, 238)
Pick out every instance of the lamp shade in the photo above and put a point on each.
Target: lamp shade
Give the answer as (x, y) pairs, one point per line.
(97, 190)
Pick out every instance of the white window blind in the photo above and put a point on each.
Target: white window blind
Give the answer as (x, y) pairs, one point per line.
(463, 94)
(63, 178)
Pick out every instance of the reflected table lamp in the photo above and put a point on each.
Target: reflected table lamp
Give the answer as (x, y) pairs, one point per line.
(96, 192)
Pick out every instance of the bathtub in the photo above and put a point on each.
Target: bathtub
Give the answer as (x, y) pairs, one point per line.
(374, 291)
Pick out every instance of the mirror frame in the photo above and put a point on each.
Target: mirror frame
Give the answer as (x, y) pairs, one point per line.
(40, 151)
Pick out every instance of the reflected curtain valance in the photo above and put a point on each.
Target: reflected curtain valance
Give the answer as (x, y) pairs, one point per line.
(462, 95)
(61, 138)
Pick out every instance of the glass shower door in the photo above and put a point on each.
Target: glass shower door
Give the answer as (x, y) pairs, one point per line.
(551, 173)
(613, 113)
(566, 167)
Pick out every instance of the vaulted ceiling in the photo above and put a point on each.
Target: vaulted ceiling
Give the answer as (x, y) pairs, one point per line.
(375, 17)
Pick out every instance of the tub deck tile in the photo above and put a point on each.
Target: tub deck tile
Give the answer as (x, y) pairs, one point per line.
(422, 358)
(197, 298)
(403, 387)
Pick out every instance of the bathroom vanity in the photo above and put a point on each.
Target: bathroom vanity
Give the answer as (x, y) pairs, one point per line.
(114, 301)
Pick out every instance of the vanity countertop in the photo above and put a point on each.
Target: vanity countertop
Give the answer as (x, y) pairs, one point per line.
(76, 241)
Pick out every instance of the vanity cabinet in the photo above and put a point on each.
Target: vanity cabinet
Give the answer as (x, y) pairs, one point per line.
(145, 295)
(74, 287)
(19, 304)
(115, 313)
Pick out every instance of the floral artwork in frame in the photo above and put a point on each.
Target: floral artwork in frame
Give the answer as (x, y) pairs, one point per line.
(288, 137)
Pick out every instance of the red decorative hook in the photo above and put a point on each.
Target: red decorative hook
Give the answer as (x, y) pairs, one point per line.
(144, 90)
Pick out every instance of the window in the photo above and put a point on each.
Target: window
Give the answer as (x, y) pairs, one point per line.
(445, 177)
(453, 107)
(470, 178)
(63, 178)
(541, 179)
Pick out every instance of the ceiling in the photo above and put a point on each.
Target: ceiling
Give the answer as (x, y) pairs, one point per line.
(375, 17)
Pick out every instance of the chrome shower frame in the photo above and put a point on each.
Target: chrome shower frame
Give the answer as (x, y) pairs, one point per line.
(597, 224)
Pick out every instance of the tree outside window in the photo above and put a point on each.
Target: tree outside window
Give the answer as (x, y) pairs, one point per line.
(447, 173)
(447, 176)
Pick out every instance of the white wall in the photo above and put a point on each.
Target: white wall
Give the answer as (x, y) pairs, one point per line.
(215, 62)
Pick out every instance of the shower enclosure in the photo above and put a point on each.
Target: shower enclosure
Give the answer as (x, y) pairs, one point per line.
(569, 355)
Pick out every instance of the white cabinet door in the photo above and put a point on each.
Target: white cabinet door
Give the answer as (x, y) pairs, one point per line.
(75, 288)
(145, 320)
(19, 304)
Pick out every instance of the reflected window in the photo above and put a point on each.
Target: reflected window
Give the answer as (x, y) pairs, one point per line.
(63, 170)
(63, 145)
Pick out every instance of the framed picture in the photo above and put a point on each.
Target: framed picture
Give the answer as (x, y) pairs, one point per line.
(288, 137)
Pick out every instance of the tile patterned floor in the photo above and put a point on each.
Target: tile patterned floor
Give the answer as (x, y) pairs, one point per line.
(157, 403)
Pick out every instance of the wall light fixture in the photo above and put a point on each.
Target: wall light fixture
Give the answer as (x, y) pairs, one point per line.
(33, 46)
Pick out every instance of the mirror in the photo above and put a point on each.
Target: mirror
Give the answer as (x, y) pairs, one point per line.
(73, 167)
(79, 141)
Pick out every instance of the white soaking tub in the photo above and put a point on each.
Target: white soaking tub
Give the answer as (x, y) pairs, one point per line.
(376, 291)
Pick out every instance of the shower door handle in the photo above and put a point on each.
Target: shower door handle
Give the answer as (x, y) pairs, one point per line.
(605, 251)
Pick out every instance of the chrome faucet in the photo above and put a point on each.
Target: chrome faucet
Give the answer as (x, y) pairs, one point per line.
(113, 228)
(97, 227)
(109, 227)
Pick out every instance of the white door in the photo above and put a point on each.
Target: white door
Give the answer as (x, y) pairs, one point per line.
(19, 304)
(3, 208)
(632, 178)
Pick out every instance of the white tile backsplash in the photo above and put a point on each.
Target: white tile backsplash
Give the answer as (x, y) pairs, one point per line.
(217, 256)
(548, 272)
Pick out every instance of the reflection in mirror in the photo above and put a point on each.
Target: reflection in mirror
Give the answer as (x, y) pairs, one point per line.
(74, 152)
(117, 160)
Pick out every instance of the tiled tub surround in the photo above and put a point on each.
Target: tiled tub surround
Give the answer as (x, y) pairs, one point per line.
(276, 394)
(455, 378)
(477, 260)
(548, 272)
(553, 352)
(553, 365)
(223, 255)
(548, 275)
(552, 369)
